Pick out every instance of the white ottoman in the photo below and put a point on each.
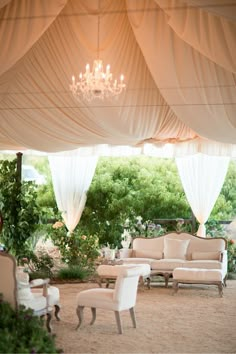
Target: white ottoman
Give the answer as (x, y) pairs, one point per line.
(198, 276)
(110, 272)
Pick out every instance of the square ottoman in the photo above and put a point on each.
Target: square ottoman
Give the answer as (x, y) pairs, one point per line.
(198, 276)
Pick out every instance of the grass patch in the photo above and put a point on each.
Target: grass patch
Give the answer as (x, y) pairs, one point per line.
(73, 272)
(39, 275)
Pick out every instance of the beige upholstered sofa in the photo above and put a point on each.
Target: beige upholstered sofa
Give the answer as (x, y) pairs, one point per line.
(174, 250)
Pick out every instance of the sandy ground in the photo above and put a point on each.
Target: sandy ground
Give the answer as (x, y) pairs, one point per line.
(195, 320)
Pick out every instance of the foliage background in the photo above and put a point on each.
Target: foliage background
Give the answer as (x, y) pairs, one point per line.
(18, 207)
(128, 187)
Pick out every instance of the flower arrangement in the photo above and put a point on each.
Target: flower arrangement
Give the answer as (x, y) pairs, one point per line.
(180, 225)
(137, 227)
(126, 239)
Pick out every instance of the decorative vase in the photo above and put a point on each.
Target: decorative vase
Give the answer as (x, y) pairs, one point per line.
(125, 243)
(110, 254)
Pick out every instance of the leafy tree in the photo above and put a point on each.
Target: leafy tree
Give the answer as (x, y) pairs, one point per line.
(18, 207)
(228, 192)
(127, 187)
(124, 188)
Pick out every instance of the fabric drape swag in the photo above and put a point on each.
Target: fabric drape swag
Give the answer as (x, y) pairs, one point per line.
(202, 178)
(177, 56)
(72, 175)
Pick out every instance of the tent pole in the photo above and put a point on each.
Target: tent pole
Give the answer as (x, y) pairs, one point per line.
(19, 165)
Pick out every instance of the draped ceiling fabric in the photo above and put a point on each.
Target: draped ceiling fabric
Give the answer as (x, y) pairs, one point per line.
(177, 56)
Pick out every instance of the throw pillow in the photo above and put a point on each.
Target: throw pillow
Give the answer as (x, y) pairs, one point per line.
(175, 249)
(206, 256)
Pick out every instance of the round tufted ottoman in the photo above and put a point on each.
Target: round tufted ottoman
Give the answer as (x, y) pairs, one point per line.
(109, 273)
(198, 276)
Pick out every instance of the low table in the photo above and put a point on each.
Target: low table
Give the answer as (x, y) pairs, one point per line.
(109, 273)
(167, 274)
(198, 276)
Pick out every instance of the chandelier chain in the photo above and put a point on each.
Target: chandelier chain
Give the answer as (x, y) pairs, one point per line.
(98, 41)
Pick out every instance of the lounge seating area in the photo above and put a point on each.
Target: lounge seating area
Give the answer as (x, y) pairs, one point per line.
(172, 251)
(162, 322)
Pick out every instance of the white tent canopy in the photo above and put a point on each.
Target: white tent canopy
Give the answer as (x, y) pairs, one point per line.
(178, 59)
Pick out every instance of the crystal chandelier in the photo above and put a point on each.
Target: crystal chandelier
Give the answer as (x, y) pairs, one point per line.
(96, 83)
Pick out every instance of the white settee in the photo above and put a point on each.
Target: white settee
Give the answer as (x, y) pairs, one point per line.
(174, 250)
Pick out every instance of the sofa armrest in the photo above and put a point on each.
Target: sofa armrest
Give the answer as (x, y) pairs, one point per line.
(125, 253)
(224, 256)
(224, 261)
(42, 283)
(38, 282)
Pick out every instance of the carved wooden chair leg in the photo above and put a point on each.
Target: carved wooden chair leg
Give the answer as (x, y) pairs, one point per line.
(107, 283)
(149, 283)
(80, 315)
(48, 322)
(93, 310)
(118, 322)
(220, 288)
(99, 281)
(225, 278)
(142, 280)
(166, 276)
(132, 314)
(57, 310)
(175, 286)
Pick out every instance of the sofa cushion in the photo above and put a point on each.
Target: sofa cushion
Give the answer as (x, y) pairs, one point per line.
(167, 264)
(147, 254)
(197, 274)
(175, 249)
(206, 255)
(206, 264)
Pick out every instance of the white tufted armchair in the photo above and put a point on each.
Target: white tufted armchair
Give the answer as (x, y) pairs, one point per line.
(122, 297)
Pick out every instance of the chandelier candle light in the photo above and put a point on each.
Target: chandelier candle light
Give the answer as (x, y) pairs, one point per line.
(96, 83)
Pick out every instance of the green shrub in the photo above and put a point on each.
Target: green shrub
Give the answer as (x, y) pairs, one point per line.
(22, 332)
(231, 248)
(40, 264)
(73, 272)
(39, 275)
(76, 248)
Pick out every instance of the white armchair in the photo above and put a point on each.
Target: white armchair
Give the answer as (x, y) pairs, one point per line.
(122, 297)
(53, 295)
(17, 290)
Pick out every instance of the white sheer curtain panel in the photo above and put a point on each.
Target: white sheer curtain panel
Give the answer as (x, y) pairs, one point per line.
(72, 175)
(202, 177)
